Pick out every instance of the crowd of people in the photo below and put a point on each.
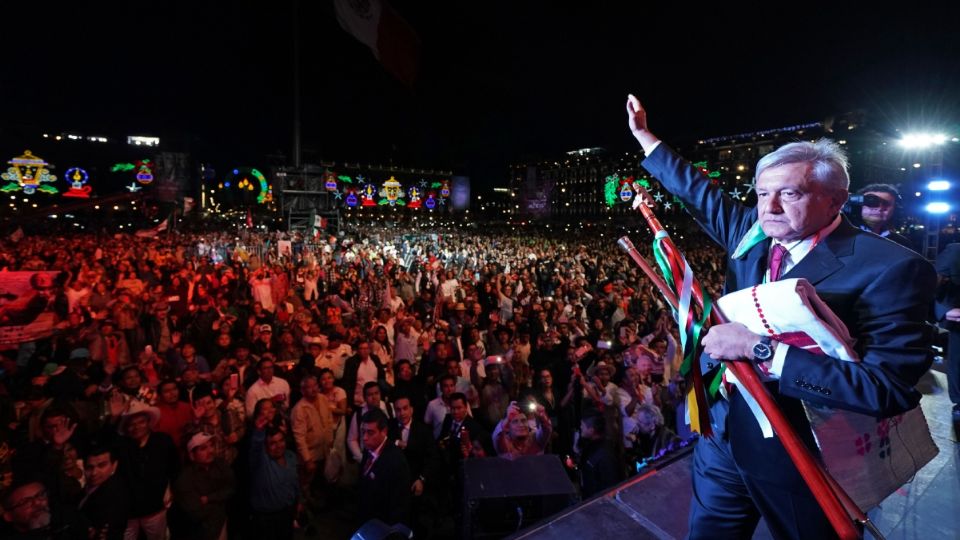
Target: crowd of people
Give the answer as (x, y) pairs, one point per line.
(199, 388)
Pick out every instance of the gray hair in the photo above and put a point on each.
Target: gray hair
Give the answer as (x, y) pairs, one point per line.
(829, 161)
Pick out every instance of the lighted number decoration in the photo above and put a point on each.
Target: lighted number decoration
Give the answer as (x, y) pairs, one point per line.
(30, 174)
(77, 178)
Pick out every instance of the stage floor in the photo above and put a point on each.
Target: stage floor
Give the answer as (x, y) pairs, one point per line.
(656, 506)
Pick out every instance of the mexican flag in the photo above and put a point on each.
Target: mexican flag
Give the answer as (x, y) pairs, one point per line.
(391, 39)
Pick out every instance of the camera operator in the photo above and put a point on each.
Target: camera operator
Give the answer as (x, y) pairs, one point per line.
(878, 210)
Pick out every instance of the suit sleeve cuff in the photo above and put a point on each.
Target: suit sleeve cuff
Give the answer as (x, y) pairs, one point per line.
(779, 357)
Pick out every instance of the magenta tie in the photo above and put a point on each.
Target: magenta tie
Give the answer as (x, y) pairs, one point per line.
(776, 261)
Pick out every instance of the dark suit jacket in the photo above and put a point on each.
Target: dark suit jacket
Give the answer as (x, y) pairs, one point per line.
(385, 490)
(948, 290)
(349, 380)
(451, 441)
(879, 289)
(107, 508)
(421, 451)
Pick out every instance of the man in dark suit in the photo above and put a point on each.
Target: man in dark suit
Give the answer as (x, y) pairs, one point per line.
(385, 481)
(105, 499)
(462, 437)
(880, 290)
(416, 440)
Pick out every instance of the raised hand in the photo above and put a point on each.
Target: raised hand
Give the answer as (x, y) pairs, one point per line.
(637, 121)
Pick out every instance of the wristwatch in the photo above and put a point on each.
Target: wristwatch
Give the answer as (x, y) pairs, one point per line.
(763, 351)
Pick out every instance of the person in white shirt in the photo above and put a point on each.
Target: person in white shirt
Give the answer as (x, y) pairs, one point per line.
(439, 407)
(267, 387)
(406, 343)
(371, 400)
(335, 356)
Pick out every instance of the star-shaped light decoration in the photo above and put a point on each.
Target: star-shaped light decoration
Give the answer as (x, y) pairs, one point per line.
(337, 195)
(658, 196)
(735, 193)
(749, 187)
(133, 188)
(667, 205)
(442, 201)
(423, 183)
(360, 180)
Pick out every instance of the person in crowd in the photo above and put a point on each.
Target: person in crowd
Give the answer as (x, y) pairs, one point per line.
(202, 491)
(267, 386)
(29, 513)
(313, 429)
(371, 400)
(515, 437)
(275, 485)
(796, 231)
(599, 466)
(106, 498)
(385, 481)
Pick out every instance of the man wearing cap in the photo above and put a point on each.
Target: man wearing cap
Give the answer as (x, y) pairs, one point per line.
(265, 342)
(201, 492)
(148, 462)
(267, 387)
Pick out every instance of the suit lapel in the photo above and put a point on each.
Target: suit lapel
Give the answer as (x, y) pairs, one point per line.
(824, 260)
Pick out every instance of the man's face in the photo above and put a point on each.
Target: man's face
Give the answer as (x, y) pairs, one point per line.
(138, 427)
(29, 508)
(403, 409)
(878, 216)
(131, 379)
(51, 424)
(363, 349)
(170, 394)
(371, 396)
(453, 368)
(791, 205)
(309, 388)
(203, 454)
(206, 404)
(266, 372)
(458, 409)
(276, 446)
(223, 341)
(447, 387)
(373, 436)
(188, 351)
(99, 468)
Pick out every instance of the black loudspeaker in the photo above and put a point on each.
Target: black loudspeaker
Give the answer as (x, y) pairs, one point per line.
(378, 530)
(501, 496)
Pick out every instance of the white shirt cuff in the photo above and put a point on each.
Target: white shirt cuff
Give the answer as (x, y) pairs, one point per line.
(779, 356)
(653, 147)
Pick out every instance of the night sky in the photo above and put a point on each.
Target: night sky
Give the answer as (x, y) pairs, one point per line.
(499, 82)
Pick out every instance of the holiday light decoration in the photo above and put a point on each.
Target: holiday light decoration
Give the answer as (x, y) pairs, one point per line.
(30, 174)
(626, 189)
(610, 187)
(431, 202)
(77, 178)
(392, 193)
(367, 196)
(444, 188)
(250, 179)
(351, 199)
(123, 167)
(414, 193)
(330, 180)
(144, 171)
